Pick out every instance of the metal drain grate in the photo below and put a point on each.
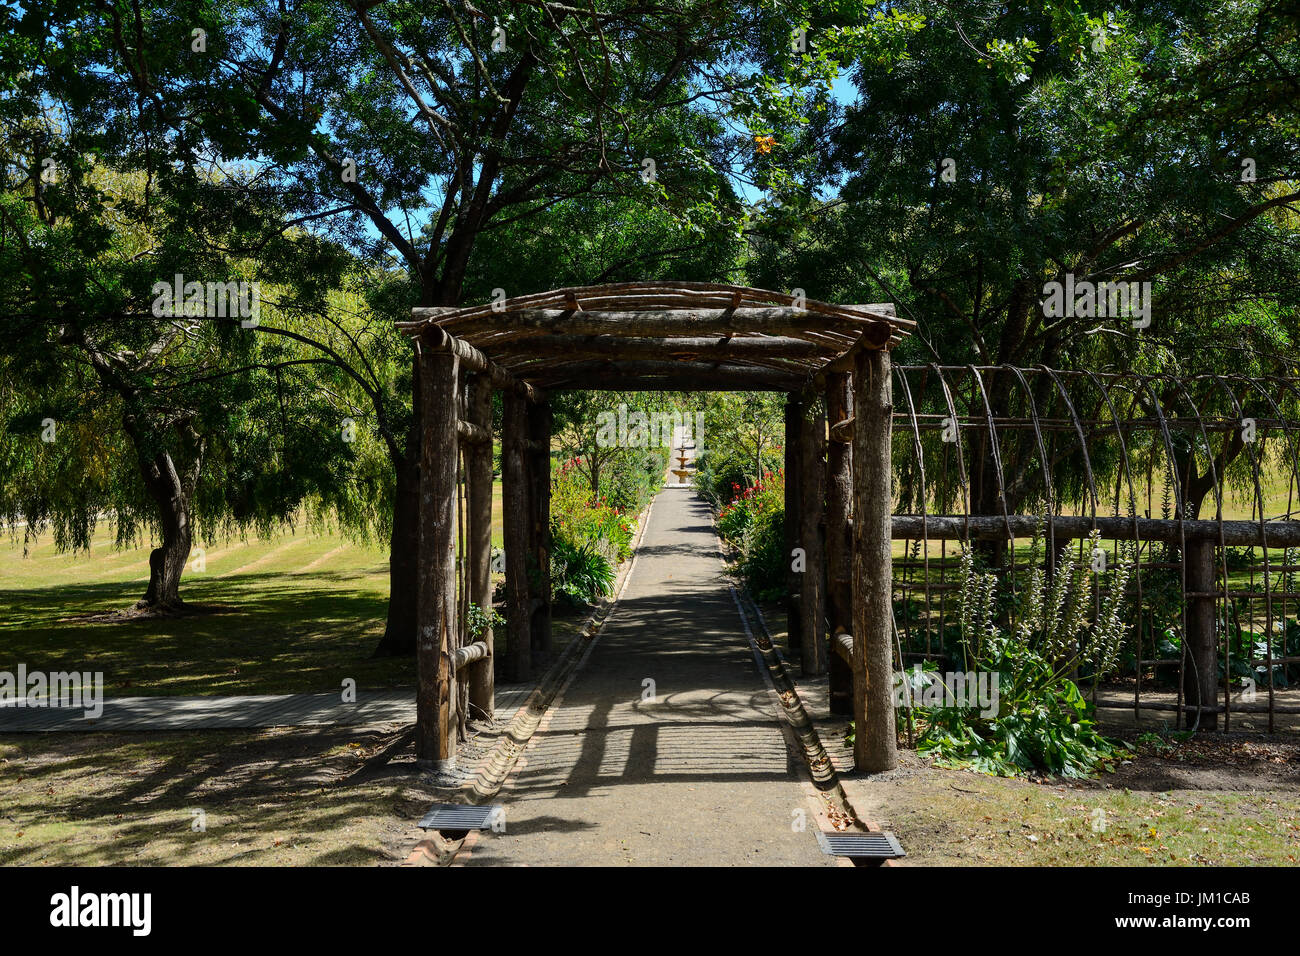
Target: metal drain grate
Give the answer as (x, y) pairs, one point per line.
(876, 845)
(456, 816)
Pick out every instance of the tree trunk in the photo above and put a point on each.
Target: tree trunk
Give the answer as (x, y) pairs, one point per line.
(539, 426)
(478, 476)
(517, 663)
(839, 549)
(403, 564)
(437, 609)
(172, 491)
(812, 503)
(167, 562)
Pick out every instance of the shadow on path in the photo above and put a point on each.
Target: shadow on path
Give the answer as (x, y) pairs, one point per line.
(665, 749)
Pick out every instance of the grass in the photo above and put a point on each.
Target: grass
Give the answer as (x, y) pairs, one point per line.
(296, 613)
(299, 612)
(268, 798)
(951, 818)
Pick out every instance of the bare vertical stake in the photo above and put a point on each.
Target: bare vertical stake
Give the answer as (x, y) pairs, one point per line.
(1200, 663)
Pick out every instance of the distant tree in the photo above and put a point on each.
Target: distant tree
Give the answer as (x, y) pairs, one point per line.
(117, 400)
(743, 427)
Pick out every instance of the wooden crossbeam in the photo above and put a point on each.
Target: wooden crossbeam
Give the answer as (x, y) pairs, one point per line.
(845, 362)
(470, 653)
(473, 434)
(639, 367)
(692, 322)
(730, 382)
(648, 295)
(660, 336)
(667, 375)
(722, 346)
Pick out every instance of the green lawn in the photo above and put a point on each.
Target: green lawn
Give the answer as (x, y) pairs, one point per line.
(298, 612)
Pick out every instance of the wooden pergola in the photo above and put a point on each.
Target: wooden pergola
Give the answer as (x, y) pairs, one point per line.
(651, 336)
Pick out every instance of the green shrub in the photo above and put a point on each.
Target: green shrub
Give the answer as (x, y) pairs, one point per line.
(762, 564)
(578, 518)
(580, 575)
(480, 620)
(753, 521)
(629, 482)
(733, 521)
(719, 479)
(1042, 720)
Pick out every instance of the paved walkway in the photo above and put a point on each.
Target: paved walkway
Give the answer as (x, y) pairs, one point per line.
(234, 713)
(216, 713)
(699, 775)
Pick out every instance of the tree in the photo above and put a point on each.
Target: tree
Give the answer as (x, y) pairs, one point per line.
(1015, 147)
(619, 434)
(120, 399)
(743, 427)
(408, 130)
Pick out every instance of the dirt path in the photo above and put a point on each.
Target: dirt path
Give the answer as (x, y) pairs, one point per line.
(698, 775)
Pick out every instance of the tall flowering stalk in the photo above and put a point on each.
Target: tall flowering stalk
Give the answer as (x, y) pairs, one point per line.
(1042, 721)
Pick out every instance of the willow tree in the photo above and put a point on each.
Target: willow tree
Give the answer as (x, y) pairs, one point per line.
(409, 130)
(118, 399)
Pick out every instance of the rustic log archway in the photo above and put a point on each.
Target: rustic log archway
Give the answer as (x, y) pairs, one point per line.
(649, 336)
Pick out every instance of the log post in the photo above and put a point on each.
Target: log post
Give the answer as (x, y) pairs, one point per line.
(812, 504)
(839, 561)
(793, 428)
(515, 527)
(539, 498)
(875, 746)
(478, 494)
(435, 739)
(1200, 660)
